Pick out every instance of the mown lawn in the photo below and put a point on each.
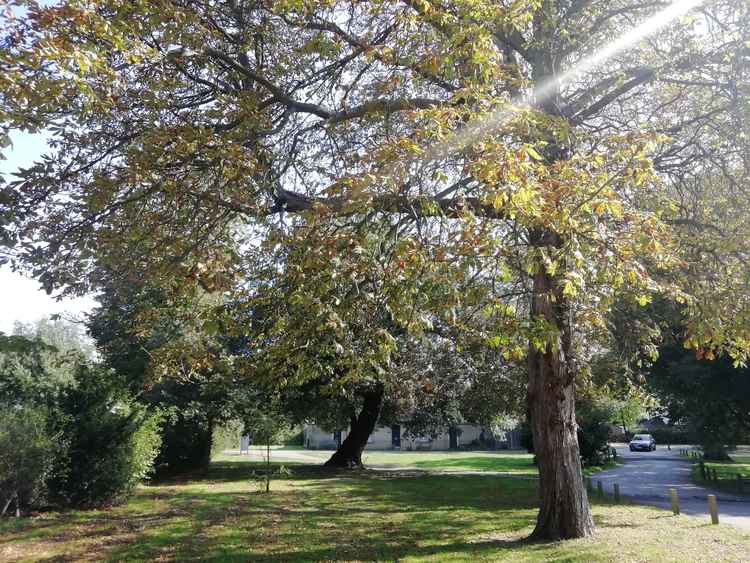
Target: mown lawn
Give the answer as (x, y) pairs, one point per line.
(726, 473)
(505, 462)
(512, 462)
(314, 515)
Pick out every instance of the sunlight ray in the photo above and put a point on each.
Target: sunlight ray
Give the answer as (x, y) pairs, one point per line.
(495, 119)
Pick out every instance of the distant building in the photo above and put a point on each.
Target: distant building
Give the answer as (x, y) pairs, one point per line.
(394, 438)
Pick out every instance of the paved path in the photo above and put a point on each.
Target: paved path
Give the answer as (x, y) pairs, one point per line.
(646, 477)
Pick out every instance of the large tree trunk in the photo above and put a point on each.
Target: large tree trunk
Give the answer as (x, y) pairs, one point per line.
(349, 454)
(564, 510)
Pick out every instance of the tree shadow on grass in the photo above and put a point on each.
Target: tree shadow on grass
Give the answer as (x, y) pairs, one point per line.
(313, 515)
(355, 516)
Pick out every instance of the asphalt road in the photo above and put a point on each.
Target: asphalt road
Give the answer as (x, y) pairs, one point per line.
(646, 477)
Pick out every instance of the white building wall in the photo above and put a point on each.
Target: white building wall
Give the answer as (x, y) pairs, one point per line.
(381, 438)
(316, 438)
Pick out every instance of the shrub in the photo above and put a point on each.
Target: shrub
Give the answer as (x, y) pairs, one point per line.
(26, 454)
(186, 444)
(226, 436)
(108, 442)
(593, 431)
(295, 437)
(592, 440)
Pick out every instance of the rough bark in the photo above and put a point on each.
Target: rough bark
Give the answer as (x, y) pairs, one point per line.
(349, 454)
(564, 510)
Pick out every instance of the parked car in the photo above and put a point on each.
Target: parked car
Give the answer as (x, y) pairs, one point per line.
(643, 443)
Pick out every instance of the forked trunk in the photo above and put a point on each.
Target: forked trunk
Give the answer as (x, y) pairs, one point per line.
(564, 510)
(349, 454)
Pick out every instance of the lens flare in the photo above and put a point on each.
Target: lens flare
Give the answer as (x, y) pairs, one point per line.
(493, 120)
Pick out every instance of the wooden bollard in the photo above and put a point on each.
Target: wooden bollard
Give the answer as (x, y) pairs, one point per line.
(600, 489)
(703, 471)
(675, 501)
(713, 473)
(616, 487)
(713, 509)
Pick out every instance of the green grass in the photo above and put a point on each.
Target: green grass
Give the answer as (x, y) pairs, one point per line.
(504, 462)
(726, 474)
(511, 462)
(315, 515)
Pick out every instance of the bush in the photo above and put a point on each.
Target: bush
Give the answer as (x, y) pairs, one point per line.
(186, 445)
(26, 455)
(108, 442)
(593, 438)
(295, 437)
(593, 431)
(226, 436)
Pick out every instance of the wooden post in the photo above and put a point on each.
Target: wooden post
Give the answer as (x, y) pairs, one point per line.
(741, 483)
(713, 471)
(703, 471)
(617, 493)
(600, 489)
(589, 485)
(713, 509)
(675, 501)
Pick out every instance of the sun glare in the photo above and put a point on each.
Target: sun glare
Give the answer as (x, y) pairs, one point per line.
(493, 120)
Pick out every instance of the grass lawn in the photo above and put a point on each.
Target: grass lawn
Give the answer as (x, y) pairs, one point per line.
(726, 473)
(506, 462)
(315, 515)
(512, 462)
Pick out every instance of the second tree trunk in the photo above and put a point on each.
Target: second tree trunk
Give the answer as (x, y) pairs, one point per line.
(349, 453)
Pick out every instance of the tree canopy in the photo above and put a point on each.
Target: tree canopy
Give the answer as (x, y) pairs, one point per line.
(469, 163)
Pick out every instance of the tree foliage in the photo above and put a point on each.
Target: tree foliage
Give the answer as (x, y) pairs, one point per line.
(108, 442)
(26, 453)
(435, 156)
(711, 398)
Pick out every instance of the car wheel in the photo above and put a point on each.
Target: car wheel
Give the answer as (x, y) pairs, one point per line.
(632, 449)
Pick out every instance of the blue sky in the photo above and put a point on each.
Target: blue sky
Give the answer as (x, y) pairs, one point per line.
(21, 298)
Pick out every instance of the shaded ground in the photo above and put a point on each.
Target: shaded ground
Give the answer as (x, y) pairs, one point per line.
(646, 478)
(315, 515)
